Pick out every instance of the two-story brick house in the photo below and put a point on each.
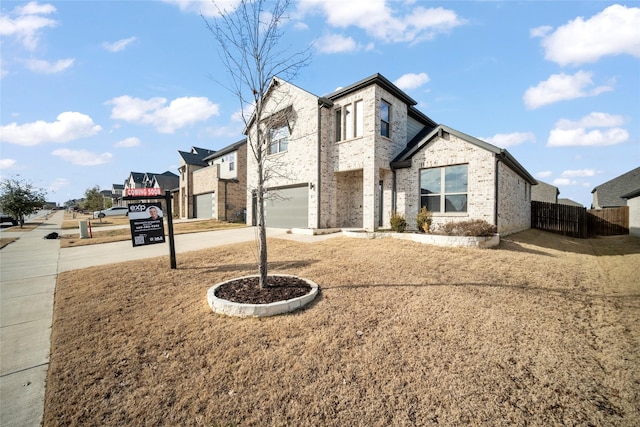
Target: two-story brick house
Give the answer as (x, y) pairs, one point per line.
(213, 183)
(351, 158)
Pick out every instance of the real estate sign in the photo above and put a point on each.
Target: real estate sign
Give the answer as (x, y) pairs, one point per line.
(147, 225)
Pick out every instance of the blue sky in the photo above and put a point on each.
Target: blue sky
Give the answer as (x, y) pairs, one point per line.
(92, 90)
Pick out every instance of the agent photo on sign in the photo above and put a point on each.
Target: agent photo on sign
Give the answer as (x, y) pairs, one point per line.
(154, 213)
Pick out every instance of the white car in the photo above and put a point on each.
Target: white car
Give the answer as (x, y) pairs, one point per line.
(114, 211)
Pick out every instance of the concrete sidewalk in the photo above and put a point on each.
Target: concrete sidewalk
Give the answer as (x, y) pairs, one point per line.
(28, 270)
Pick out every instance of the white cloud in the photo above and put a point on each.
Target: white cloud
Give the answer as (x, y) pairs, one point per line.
(582, 138)
(336, 43)
(540, 31)
(614, 31)
(380, 21)
(578, 173)
(505, 140)
(57, 184)
(205, 7)
(564, 181)
(562, 87)
(67, 127)
(7, 163)
(128, 142)
(594, 119)
(119, 45)
(179, 113)
(82, 157)
(544, 174)
(578, 133)
(25, 22)
(412, 80)
(42, 66)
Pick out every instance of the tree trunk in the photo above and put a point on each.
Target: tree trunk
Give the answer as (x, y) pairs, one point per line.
(262, 240)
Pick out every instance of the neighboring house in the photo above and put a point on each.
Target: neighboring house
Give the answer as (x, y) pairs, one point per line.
(107, 198)
(116, 194)
(609, 194)
(213, 183)
(569, 202)
(633, 202)
(190, 161)
(353, 157)
(544, 192)
(166, 180)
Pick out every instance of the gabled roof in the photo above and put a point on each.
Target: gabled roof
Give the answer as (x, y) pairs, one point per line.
(196, 156)
(632, 194)
(376, 79)
(117, 186)
(226, 150)
(610, 193)
(403, 160)
(569, 202)
(166, 182)
(137, 177)
(539, 191)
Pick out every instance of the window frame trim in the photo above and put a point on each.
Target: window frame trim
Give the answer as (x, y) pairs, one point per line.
(443, 194)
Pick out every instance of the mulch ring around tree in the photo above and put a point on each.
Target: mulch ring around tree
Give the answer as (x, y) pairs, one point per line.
(247, 290)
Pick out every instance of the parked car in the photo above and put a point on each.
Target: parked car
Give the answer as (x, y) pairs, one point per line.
(114, 211)
(7, 218)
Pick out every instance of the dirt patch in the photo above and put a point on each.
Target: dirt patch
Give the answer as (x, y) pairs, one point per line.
(248, 291)
(542, 330)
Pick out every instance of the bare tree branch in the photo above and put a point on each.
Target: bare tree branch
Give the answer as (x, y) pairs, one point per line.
(249, 38)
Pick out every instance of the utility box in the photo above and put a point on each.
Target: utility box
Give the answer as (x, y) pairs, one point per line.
(84, 229)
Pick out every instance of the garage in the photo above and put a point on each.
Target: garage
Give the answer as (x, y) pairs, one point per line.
(204, 205)
(287, 207)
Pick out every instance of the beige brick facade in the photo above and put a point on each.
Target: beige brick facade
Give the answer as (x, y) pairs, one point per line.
(224, 177)
(350, 178)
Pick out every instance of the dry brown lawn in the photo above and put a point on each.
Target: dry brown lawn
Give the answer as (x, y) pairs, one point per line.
(543, 330)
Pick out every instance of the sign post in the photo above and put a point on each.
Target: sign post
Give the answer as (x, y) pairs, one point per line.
(146, 219)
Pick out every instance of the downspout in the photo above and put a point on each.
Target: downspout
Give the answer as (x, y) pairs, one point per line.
(497, 188)
(322, 102)
(394, 190)
(318, 172)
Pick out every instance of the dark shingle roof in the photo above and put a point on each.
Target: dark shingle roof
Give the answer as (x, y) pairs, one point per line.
(610, 193)
(569, 202)
(196, 156)
(427, 134)
(226, 150)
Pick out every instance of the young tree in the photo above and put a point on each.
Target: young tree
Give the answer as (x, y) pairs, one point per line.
(93, 199)
(249, 39)
(19, 198)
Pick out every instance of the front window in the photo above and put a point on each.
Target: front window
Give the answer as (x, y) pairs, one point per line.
(385, 118)
(444, 190)
(349, 121)
(279, 139)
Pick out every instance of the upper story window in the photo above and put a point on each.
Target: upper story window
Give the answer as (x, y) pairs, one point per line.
(230, 159)
(385, 118)
(444, 190)
(279, 139)
(349, 121)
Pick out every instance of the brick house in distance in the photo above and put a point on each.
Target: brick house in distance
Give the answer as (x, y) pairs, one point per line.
(213, 183)
(351, 158)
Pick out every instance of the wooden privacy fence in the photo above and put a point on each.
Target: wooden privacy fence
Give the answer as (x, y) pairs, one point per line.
(609, 221)
(579, 222)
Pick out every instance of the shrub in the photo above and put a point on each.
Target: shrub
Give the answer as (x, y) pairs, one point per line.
(424, 220)
(398, 223)
(472, 227)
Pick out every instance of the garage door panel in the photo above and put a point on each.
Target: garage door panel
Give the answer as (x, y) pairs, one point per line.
(288, 208)
(204, 205)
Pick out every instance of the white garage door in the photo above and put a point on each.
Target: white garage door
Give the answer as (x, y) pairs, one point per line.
(288, 209)
(203, 205)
